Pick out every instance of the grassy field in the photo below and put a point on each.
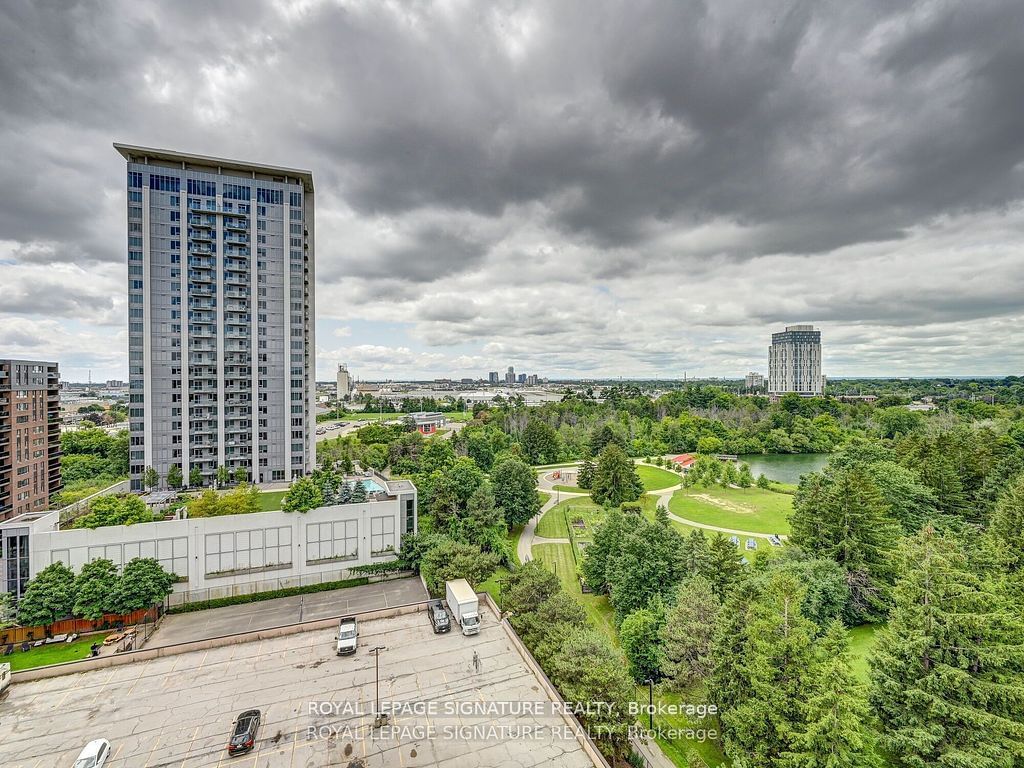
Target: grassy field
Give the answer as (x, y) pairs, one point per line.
(270, 501)
(552, 524)
(862, 640)
(491, 586)
(55, 653)
(543, 496)
(513, 540)
(655, 479)
(742, 509)
(558, 559)
(569, 489)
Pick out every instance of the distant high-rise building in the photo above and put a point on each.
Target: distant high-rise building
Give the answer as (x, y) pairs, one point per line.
(220, 326)
(29, 436)
(344, 382)
(753, 380)
(794, 362)
(510, 375)
(532, 380)
(493, 377)
(521, 378)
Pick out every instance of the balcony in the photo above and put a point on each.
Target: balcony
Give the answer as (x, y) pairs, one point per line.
(239, 225)
(201, 249)
(200, 235)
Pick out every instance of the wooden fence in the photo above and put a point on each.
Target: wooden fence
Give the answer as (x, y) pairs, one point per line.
(19, 635)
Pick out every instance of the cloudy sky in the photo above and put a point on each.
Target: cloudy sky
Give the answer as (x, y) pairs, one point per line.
(574, 188)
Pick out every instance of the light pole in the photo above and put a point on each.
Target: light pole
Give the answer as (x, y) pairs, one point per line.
(650, 703)
(379, 719)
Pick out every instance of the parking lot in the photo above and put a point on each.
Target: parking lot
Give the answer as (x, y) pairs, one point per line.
(177, 711)
(215, 622)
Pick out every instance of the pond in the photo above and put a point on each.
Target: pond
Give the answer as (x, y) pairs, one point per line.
(785, 467)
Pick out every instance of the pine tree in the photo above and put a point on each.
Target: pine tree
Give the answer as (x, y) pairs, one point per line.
(585, 476)
(688, 633)
(1008, 522)
(947, 674)
(834, 733)
(726, 567)
(842, 516)
(776, 671)
(615, 479)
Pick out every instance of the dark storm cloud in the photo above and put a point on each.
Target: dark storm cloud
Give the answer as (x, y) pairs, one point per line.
(522, 154)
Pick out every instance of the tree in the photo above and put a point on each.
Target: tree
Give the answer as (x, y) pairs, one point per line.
(762, 482)
(647, 562)
(615, 478)
(603, 678)
(207, 504)
(483, 523)
(8, 614)
(600, 438)
(771, 675)
(546, 629)
(1007, 524)
(303, 495)
(515, 491)
(527, 587)
(448, 559)
(745, 478)
(94, 589)
(946, 672)
(223, 476)
(174, 477)
(142, 584)
(452, 488)
(118, 509)
(195, 477)
(437, 455)
(725, 565)
(835, 731)
(242, 500)
(358, 493)
(150, 478)
(540, 442)
(640, 635)
(49, 597)
(241, 474)
(841, 515)
(730, 475)
(585, 476)
(688, 634)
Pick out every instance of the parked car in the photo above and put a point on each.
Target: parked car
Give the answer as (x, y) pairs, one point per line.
(243, 736)
(348, 634)
(321, 431)
(94, 754)
(439, 619)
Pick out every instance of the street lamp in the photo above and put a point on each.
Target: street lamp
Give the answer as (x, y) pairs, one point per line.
(650, 703)
(380, 719)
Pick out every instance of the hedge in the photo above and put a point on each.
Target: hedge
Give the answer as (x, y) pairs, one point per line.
(221, 602)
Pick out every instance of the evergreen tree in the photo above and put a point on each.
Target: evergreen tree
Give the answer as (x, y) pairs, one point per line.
(725, 565)
(607, 541)
(842, 516)
(834, 733)
(585, 476)
(615, 478)
(540, 442)
(947, 673)
(1008, 522)
(775, 671)
(695, 553)
(688, 633)
(358, 493)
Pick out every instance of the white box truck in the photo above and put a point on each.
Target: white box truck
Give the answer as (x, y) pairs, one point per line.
(463, 605)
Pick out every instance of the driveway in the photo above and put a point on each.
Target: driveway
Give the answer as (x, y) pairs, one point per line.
(215, 622)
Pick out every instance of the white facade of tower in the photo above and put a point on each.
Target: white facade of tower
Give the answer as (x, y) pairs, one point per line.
(794, 362)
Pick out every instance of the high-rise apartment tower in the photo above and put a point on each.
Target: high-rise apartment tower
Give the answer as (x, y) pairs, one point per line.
(221, 312)
(794, 362)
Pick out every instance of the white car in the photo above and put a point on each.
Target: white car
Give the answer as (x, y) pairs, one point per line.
(94, 755)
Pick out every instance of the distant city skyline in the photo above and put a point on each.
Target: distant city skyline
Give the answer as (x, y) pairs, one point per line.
(566, 205)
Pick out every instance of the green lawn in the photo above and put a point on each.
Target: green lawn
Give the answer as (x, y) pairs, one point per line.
(742, 509)
(569, 489)
(513, 539)
(270, 501)
(543, 497)
(491, 586)
(558, 559)
(55, 653)
(655, 479)
(862, 640)
(710, 751)
(552, 524)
